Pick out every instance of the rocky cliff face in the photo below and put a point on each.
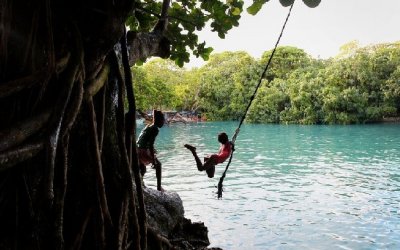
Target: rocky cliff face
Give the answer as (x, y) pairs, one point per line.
(165, 213)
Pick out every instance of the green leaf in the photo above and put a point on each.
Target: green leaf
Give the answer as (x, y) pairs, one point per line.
(176, 5)
(203, 51)
(286, 3)
(139, 62)
(312, 3)
(236, 11)
(256, 6)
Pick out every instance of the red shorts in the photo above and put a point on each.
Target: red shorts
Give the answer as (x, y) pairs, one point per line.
(145, 156)
(219, 158)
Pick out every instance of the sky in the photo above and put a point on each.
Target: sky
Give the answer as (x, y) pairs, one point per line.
(319, 31)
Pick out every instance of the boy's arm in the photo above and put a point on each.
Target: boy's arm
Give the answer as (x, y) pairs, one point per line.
(153, 139)
(152, 136)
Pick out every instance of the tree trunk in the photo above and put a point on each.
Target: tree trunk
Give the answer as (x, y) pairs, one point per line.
(66, 171)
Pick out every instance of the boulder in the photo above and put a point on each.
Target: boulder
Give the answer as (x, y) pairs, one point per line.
(165, 214)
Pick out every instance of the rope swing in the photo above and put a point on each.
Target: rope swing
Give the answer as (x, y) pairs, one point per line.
(220, 185)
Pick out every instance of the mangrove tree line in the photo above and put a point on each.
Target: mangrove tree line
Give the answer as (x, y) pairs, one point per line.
(359, 85)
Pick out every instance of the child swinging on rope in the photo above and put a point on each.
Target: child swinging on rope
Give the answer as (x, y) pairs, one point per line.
(214, 159)
(145, 145)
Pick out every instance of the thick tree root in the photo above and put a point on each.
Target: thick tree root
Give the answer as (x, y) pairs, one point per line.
(23, 130)
(57, 71)
(128, 180)
(131, 144)
(99, 168)
(12, 157)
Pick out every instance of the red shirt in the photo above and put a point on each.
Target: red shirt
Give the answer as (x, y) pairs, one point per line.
(224, 152)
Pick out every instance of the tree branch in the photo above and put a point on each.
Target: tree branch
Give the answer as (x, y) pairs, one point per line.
(14, 86)
(146, 45)
(123, 223)
(131, 144)
(56, 123)
(79, 237)
(102, 117)
(21, 131)
(99, 168)
(69, 79)
(74, 108)
(12, 157)
(122, 147)
(168, 16)
(60, 197)
(96, 84)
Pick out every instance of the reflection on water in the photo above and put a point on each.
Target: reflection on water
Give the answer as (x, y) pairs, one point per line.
(290, 187)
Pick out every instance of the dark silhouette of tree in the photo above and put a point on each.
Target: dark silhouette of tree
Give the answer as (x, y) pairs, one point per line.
(68, 166)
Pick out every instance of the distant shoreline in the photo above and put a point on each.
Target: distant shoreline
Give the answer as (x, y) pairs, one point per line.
(391, 120)
(383, 120)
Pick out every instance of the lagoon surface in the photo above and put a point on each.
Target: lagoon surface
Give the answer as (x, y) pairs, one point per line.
(290, 186)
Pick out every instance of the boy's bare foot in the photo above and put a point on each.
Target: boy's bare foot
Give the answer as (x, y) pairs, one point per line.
(190, 147)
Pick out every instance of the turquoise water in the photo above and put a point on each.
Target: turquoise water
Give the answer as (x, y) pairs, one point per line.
(290, 187)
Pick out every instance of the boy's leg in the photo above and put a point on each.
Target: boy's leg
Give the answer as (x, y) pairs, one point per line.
(209, 162)
(210, 171)
(157, 166)
(209, 165)
(143, 160)
(192, 149)
(142, 169)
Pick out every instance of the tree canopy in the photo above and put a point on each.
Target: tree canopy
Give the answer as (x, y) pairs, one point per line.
(187, 17)
(360, 85)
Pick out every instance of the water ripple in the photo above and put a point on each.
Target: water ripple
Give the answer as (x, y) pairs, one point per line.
(290, 187)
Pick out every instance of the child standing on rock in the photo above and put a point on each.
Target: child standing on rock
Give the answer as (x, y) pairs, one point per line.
(145, 145)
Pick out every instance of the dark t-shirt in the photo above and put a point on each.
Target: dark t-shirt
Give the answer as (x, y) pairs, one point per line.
(147, 137)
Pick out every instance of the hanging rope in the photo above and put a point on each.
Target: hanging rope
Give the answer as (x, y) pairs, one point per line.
(220, 185)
